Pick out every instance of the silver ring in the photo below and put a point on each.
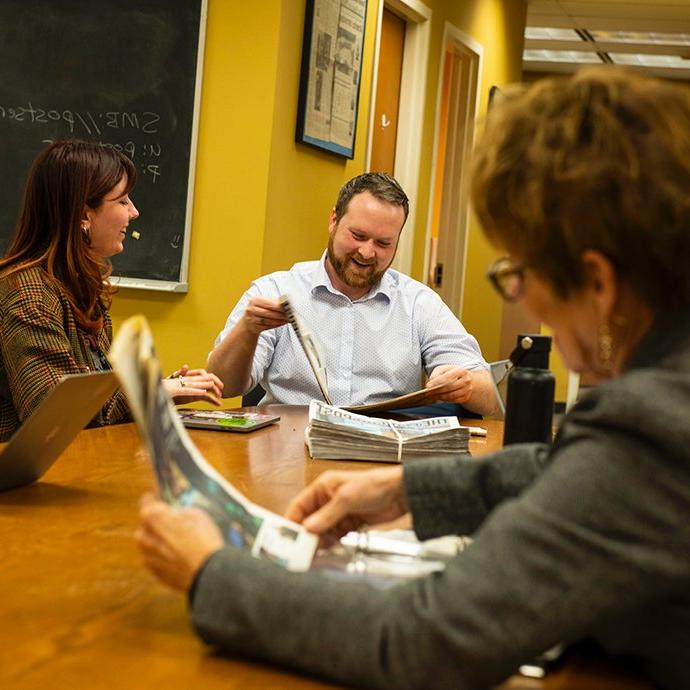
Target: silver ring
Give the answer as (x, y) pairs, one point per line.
(183, 383)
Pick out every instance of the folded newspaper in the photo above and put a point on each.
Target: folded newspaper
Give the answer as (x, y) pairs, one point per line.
(183, 475)
(336, 434)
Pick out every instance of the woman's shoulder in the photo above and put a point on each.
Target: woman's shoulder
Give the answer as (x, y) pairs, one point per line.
(28, 285)
(647, 407)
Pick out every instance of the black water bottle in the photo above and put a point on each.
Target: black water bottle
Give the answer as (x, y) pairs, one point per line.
(530, 396)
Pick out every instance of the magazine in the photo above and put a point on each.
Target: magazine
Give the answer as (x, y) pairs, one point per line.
(317, 361)
(225, 420)
(183, 476)
(337, 434)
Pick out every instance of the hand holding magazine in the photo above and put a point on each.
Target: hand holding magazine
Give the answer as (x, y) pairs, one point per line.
(184, 477)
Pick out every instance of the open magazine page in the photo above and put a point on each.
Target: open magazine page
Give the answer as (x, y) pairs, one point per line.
(183, 475)
(424, 396)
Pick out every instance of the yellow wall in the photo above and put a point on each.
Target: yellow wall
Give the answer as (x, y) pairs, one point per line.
(261, 201)
(304, 181)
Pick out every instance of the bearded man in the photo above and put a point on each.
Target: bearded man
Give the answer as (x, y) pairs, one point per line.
(380, 330)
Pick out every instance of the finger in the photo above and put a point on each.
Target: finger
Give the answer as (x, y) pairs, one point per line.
(161, 522)
(153, 547)
(209, 398)
(460, 396)
(328, 516)
(150, 507)
(304, 504)
(189, 395)
(204, 383)
(213, 379)
(265, 303)
(437, 381)
(457, 384)
(271, 321)
(441, 378)
(319, 492)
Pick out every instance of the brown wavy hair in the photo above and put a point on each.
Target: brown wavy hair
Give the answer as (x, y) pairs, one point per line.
(598, 160)
(379, 184)
(67, 176)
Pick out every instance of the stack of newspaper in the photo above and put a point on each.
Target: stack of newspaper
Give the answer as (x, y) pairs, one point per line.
(335, 434)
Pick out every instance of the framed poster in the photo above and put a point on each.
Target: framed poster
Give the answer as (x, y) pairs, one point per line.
(331, 74)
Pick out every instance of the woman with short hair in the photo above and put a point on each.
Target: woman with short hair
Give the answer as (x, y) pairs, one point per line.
(584, 182)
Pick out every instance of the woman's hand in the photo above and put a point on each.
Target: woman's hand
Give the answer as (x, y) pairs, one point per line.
(175, 543)
(337, 502)
(190, 385)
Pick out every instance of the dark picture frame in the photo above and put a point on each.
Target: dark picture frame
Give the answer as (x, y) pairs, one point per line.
(331, 74)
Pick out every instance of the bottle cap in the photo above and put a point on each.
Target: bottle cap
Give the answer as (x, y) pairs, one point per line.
(532, 351)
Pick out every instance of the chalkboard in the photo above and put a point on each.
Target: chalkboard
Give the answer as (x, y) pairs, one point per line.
(126, 73)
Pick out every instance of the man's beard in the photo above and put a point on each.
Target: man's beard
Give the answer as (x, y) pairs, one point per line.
(347, 274)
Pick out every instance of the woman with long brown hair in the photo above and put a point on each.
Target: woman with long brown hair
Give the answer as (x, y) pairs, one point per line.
(54, 289)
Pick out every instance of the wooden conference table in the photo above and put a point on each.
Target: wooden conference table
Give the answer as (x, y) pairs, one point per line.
(78, 610)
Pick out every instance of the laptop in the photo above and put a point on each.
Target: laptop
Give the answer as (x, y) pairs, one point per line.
(63, 413)
(499, 375)
(225, 420)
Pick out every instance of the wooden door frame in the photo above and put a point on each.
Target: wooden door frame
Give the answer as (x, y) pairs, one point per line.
(411, 117)
(454, 38)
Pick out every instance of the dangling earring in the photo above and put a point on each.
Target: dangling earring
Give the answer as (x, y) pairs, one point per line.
(605, 346)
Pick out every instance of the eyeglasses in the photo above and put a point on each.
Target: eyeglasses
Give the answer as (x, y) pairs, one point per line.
(507, 277)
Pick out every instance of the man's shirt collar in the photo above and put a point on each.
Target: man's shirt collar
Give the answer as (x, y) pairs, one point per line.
(385, 287)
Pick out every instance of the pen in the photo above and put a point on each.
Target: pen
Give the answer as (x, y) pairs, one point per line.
(376, 543)
(477, 430)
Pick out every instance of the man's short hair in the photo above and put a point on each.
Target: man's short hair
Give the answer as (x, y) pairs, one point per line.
(380, 185)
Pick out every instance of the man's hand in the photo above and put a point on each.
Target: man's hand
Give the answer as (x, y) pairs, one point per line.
(262, 314)
(175, 543)
(457, 383)
(337, 502)
(231, 360)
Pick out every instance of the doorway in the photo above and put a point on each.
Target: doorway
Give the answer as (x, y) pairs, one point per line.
(456, 113)
(387, 104)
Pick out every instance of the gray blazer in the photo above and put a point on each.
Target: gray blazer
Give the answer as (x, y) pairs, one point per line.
(590, 539)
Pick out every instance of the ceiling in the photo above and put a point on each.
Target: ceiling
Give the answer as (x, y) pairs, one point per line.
(562, 35)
